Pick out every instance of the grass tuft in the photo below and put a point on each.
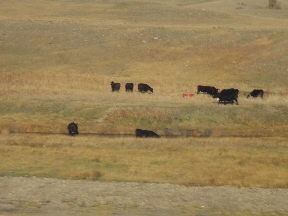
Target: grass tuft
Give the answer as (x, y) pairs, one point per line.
(274, 4)
(88, 175)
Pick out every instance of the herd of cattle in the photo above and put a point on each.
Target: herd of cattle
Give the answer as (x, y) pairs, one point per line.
(142, 87)
(129, 87)
(225, 96)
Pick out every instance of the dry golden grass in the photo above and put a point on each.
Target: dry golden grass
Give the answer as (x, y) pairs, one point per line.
(56, 66)
(242, 162)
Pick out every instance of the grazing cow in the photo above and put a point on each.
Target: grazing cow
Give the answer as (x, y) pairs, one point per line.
(146, 133)
(129, 87)
(115, 86)
(256, 93)
(142, 87)
(211, 90)
(227, 96)
(73, 129)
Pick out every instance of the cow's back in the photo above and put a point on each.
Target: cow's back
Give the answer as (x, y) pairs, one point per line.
(256, 93)
(146, 133)
(142, 87)
(115, 86)
(129, 86)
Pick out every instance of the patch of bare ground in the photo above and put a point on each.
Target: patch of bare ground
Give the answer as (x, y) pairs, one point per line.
(35, 196)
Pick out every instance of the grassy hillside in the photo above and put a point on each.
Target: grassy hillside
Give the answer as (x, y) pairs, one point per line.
(57, 60)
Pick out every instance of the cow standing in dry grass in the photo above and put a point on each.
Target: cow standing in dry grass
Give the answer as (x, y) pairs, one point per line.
(129, 87)
(227, 96)
(256, 93)
(115, 86)
(73, 129)
(211, 90)
(142, 87)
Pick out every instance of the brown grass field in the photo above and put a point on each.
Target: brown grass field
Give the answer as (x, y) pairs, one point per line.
(58, 58)
(241, 162)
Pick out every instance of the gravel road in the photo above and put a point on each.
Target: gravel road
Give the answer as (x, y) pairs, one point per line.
(45, 196)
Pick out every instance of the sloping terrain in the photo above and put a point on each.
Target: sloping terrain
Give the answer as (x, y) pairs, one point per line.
(57, 59)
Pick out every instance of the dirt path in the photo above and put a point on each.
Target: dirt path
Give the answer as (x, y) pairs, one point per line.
(23, 196)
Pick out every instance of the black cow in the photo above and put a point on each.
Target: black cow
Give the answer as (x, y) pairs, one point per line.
(129, 87)
(73, 129)
(115, 86)
(142, 87)
(146, 133)
(256, 93)
(227, 96)
(211, 90)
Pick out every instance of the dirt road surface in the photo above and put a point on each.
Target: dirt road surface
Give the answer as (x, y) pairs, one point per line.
(44, 196)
